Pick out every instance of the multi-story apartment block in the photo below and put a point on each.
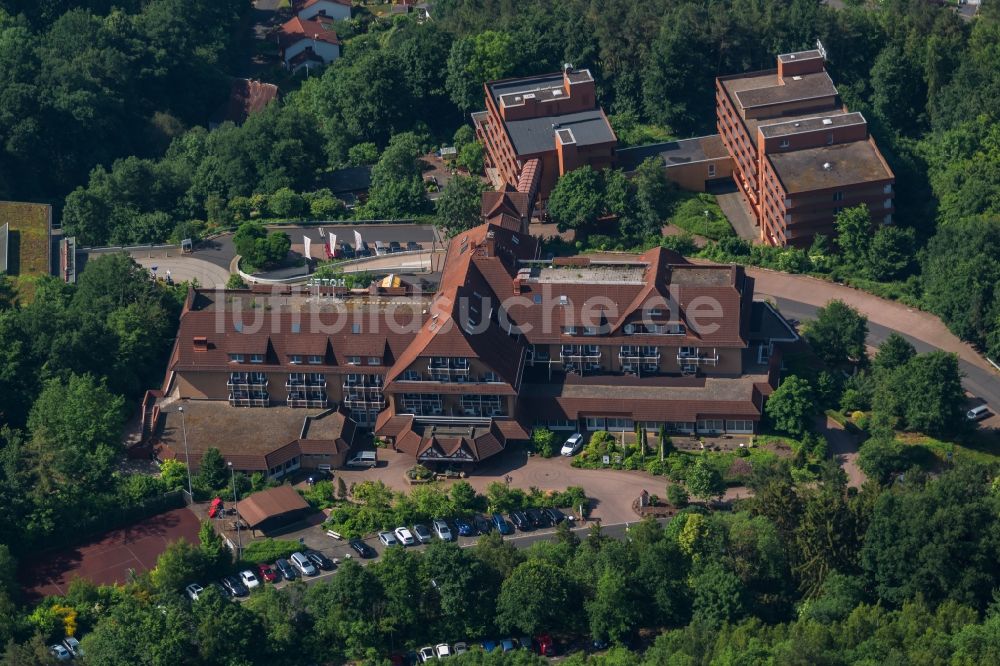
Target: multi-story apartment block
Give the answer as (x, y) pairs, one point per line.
(508, 342)
(537, 128)
(799, 156)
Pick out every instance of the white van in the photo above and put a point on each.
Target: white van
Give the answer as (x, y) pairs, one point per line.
(978, 413)
(363, 459)
(303, 564)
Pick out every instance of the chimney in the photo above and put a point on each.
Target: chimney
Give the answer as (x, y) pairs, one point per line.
(517, 286)
(200, 343)
(490, 246)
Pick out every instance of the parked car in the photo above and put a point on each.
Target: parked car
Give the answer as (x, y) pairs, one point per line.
(427, 654)
(234, 586)
(501, 524)
(286, 569)
(443, 650)
(346, 251)
(978, 413)
(303, 564)
(388, 539)
(441, 530)
(73, 645)
(363, 250)
(555, 515)
(483, 524)
(465, 527)
(320, 560)
(363, 550)
(422, 533)
(412, 246)
(520, 520)
(461, 648)
(525, 642)
(381, 248)
(60, 653)
(394, 247)
(363, 459)
(488, 646)
(405, 536)
(248, 578)
(267, 573)
(193, 591)
(537, 518)
(545, 646)
(508, 644)
(572, 445)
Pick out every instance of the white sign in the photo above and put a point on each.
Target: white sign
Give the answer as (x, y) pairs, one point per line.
(607, 460)
(307, 242)
(357, 240)
(333, 242)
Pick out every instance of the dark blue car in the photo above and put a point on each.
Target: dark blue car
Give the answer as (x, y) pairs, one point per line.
(464, 527)
(503, 527)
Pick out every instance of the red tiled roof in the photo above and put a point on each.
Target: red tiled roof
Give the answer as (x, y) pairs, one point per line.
(271, 503)
(247, 96)
(305, 4)
(296, 29)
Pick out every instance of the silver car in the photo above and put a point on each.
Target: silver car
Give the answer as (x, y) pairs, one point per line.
(388, 539)
(442, 530)
(422, 533)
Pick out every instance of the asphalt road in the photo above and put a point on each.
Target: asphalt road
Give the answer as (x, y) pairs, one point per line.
(981, 383)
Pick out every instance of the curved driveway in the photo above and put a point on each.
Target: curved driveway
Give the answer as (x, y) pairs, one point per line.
(799, 296)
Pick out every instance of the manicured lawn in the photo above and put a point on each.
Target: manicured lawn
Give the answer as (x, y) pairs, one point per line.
(981, 447)
(699, 214)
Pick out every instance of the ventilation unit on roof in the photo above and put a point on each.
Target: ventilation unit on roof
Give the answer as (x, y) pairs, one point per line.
(796, 78)
(827, 166)
(796, 124)
(557, 92)
(827, 121)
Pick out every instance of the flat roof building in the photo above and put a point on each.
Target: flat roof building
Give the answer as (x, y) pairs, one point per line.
(535, 129)
(799, 156)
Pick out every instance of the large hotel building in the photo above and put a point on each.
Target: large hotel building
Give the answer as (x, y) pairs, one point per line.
(508, 342)
(799, 156)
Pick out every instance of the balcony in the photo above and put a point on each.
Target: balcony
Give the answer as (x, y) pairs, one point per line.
(458, 367)
(312, 399)
(571, 352)
(249, 399)
(247, 382)
(640, 355)
(696, 358)
(365, 400)
(316, 382)
(367, 389)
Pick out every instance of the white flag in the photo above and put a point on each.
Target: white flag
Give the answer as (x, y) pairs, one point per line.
(307, 242)
(333, 242)
(357, 240)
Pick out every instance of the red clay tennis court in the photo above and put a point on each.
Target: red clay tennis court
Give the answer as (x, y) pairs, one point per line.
(109, 558)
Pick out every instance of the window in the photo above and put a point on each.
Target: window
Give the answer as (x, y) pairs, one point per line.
(829, 139)
(784, 143)
(353, 378)
(491, 377)
(888, 203)
(686, 351)
(887, 188)
(739, 426)
(590, 330)
(374, 360)
(763, 353)
(711, 171)
(710, 425)
(315, 360)
(296, 359)
(355, 328)
(354, 360)
(838, 196)
(236, 358)
(256, 358)
(411, 376)
(569, 330)
(655, 312)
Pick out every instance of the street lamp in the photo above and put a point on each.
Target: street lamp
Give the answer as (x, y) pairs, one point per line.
(187, 459)
(236, 501)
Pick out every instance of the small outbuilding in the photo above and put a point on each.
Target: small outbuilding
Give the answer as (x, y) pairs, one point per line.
(272, 509)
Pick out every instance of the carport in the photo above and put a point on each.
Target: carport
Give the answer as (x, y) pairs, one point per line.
(273, 509)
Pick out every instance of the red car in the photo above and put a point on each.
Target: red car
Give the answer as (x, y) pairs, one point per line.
(267, 572)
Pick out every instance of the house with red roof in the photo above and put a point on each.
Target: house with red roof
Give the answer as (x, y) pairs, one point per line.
(308, 43)
(339, 10)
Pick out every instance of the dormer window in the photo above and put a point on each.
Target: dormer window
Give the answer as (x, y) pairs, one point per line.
(237, 358)
(374, 360)
(569, 330)
(256, 358)
(353, 360)
(590, 330)
(315, 360)
(295, 359)
(411, 376)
